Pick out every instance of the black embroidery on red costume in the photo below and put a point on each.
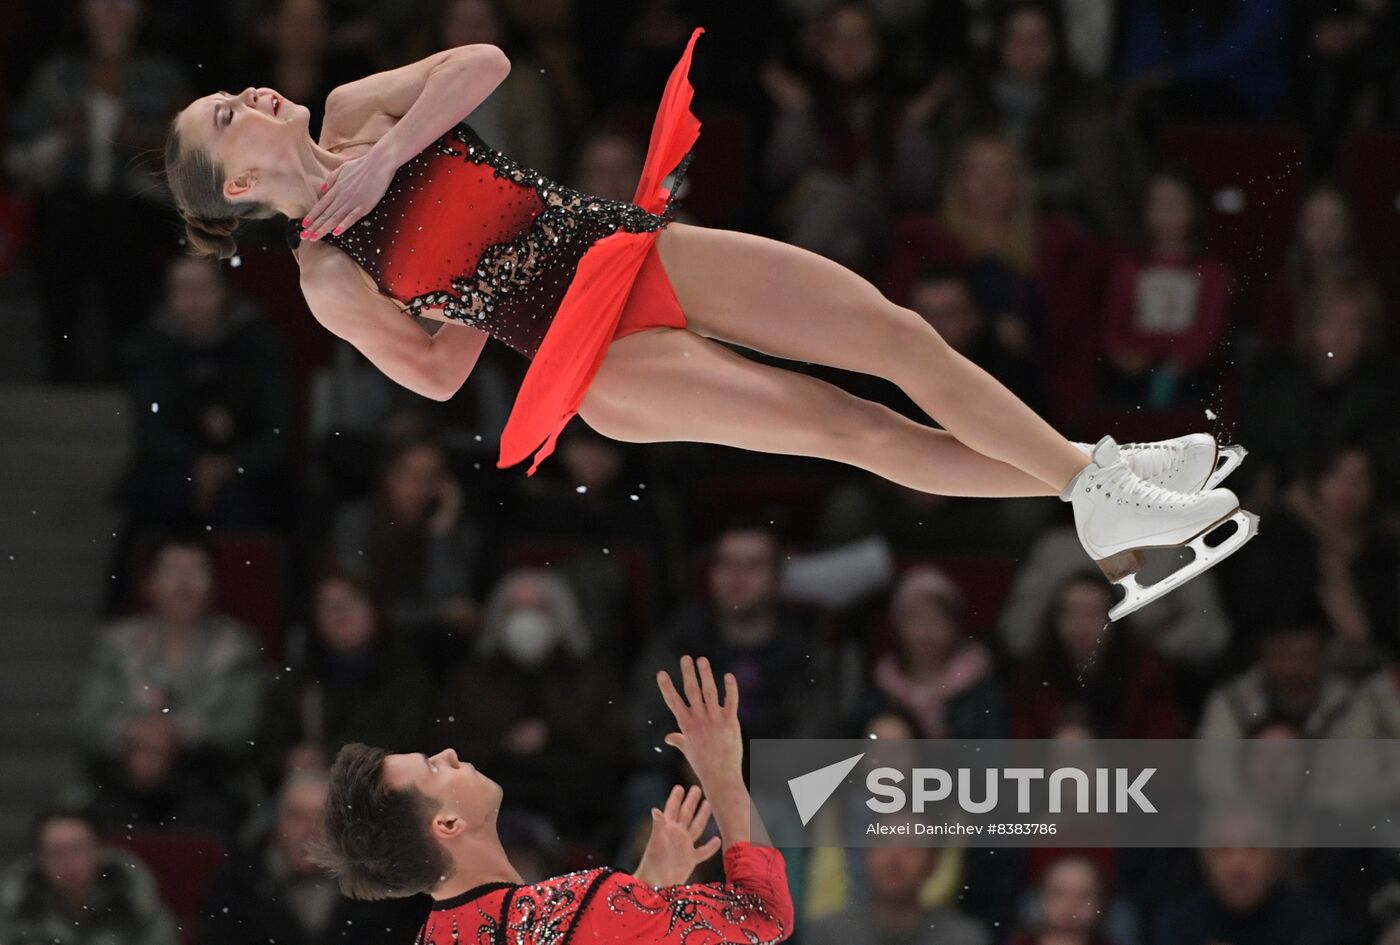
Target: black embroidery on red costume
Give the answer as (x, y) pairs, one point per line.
(497, 256)
(705, 914)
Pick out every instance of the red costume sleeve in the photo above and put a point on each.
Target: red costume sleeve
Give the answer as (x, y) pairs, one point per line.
(751, 907)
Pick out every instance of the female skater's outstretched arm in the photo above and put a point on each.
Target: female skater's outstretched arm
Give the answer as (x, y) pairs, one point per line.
(340, 297)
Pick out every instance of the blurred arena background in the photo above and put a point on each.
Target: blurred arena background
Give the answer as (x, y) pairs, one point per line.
(228, 545)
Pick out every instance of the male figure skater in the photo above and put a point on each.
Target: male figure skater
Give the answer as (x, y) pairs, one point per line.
(397, 825)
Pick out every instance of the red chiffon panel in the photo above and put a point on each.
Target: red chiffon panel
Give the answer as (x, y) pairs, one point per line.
(592, 312)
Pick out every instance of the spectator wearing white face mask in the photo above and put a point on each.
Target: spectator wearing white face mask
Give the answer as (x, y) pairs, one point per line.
(535, 705)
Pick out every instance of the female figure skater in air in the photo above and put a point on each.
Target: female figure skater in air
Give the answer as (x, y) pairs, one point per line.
(401, 208)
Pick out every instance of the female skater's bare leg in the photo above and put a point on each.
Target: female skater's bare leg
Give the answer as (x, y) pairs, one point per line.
(794, 304)
(668, 385)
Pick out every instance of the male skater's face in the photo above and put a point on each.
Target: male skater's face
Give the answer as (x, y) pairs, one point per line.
(468, 799)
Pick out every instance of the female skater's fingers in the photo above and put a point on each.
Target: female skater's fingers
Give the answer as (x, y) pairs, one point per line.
(707, 683)
(707, 849)
(700, 821)
(318, 214)
(673, 802)
(676, 740)
(321, 225)
(688, 805)
(348, 220)
(731, 694)
(690, 683)
(668, 693)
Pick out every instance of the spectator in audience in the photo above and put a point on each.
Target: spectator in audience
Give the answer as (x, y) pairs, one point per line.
(1329, 538)
(356, 682)
(1325, 250)
(1187, 626)
(520, 117)
(1167, 307)
(1340, 67)
(72, 890)
(356, 414)
(1337, 389)
(1084, 160)
(843, 146)
(1085, 662)
(1070, 906)
(895, 914)
(1038, 276)
(608, 164)
(778, 656)
(536, 705)
(934, 671)
(946, 300)
(296, 57)
(592, 500)
(80, 139)
(832, 878)
(415, 544)
(176, 683)
(1223, 59)
(272, 892)
(1244, 900)
(1290, 683)
(213, 399)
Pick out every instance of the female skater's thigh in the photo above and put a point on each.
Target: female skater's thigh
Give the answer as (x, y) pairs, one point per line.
(668, 385)
(785, 301)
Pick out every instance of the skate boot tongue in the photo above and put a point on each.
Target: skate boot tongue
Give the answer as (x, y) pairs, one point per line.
(1106, 453)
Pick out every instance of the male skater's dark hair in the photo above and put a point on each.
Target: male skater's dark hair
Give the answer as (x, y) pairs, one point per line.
(375, 839)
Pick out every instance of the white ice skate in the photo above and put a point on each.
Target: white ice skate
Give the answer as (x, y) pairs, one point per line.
(1118, 514)
(1191, 463)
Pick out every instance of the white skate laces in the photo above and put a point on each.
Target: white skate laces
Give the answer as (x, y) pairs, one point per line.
(1119, 514)
(1188, 463)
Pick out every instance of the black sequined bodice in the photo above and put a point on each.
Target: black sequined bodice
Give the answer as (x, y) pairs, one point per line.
(492, 244)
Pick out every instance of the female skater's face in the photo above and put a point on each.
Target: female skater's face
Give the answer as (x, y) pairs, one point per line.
(249, 134)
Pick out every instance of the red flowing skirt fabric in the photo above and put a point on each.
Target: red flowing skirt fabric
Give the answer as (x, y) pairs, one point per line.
(619, 288)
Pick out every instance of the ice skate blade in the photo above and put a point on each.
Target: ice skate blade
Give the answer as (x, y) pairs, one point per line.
(1206, 557)
(1227, 460)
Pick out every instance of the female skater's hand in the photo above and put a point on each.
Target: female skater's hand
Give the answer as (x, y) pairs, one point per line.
(672, 854)
(709, 731)
(349, 193)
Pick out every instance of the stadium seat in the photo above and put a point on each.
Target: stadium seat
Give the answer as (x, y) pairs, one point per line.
(792, 500)
(182, 864)
(1251, 182)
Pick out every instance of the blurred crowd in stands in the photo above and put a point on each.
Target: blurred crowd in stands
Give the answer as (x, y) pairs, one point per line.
(1146, 217)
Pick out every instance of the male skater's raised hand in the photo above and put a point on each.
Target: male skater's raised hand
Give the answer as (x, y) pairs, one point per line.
(710, 740)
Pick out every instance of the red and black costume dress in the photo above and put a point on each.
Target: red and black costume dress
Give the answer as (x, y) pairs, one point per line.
(751, 907)
(554, 273)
